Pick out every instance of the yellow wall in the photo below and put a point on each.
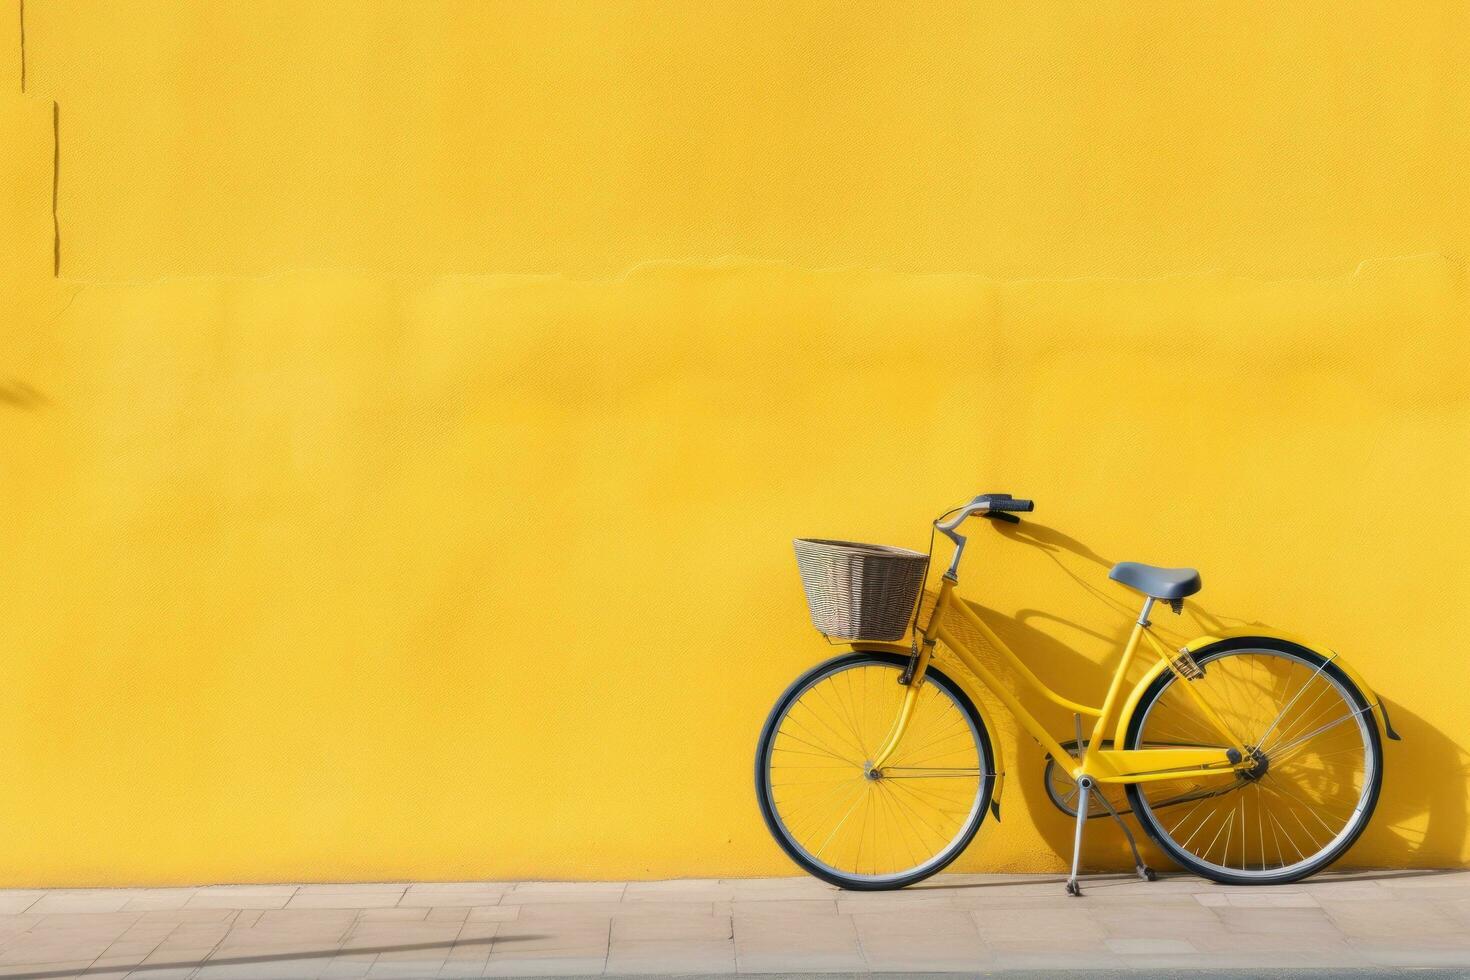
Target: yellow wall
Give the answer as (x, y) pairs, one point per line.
(398, 479)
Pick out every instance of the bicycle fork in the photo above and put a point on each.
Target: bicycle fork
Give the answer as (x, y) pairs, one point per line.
(913, 681)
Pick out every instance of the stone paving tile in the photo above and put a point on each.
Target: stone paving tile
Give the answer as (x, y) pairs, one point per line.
(859, 902)
(394, 914)
(1056, 960)
(576, 911)
(1391, 920)
(13, 901)
(1439, 951)
(15, 924)
(1131, 885)
(916, 923)
(457, 893)
(550, 966)
(657, 928)
(789, 883)
(407, 965)
(243, 918)
(1457, 909)
(159, 899)
(348, 966)
(48, 968)
(1258, 900)
(134, 950)
(1059, 944)
(402, 937)
(209, 898)
(797, 943)
(1416, 878)
(672, 956)
(560, 893)
(590, 911)
(780, 889)
(359, 899)
(961, 923)
(1167, 964)
(113, 923)
(110, 968)
(937, 941)
(84, 900)
(165, 961)
(651, 910)
(1306, 924)
(693, 890)
(1150, 946)
(1002, 888)
(1319, 952)
(493, 913)
(237, 968)
(1015, 925)
(471, 949)
(197, 916)
(197, 934)
(52, 952)
(1161, 922)
(795, 906)
(1345, 891)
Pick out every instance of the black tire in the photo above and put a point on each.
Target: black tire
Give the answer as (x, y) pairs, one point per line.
(1150, 821)
(767, 804)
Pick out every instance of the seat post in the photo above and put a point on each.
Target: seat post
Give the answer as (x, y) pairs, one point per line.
(1148, 606)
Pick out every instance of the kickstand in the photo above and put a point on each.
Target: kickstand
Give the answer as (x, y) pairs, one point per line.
(1143, 870)
(1085, 789)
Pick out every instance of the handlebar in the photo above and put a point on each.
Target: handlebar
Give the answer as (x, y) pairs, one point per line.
(1000, 505)
(985, 503)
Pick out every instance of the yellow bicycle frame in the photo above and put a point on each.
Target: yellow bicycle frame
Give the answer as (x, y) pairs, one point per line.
(1104, 765)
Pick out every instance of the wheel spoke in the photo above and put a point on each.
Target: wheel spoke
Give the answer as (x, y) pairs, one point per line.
(1313, 753)
(897, 822)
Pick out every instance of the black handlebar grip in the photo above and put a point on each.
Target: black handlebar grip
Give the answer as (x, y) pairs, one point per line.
(1012, 504)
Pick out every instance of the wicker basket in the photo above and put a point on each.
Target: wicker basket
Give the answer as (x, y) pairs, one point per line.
(860, 591)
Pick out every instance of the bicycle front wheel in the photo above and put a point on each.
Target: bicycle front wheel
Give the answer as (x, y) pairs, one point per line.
(1316, 772)
(872, 831)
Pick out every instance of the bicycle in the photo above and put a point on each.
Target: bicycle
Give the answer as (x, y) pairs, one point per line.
(1248, 757)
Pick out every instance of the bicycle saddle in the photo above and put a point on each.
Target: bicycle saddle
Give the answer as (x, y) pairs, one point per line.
(1161, 583)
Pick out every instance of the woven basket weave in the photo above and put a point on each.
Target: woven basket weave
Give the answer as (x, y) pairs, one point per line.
(860, 591)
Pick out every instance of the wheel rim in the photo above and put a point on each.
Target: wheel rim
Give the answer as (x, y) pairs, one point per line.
(1311, 784)
(910, 819)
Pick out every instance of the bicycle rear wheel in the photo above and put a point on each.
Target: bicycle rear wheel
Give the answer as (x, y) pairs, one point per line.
(1318, 764)
(867, 831)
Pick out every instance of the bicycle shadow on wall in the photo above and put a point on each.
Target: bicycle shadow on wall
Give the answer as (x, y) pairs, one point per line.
(1418, 821)
(16, 394)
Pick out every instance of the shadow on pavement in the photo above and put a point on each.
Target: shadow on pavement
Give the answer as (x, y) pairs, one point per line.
(261, 958)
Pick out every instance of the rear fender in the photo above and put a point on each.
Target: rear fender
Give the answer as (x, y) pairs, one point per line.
(1000, 765)
(1380, 710)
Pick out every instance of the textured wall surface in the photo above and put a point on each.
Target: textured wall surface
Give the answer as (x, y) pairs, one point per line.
(405, 411)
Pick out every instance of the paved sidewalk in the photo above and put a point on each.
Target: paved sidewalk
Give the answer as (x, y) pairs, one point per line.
(954, 923)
